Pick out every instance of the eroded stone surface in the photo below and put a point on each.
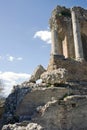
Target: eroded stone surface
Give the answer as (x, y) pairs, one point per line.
(2, 102)
(69, 113)
(77, 71)
(22, 126)
(55, 76)
(37, 73)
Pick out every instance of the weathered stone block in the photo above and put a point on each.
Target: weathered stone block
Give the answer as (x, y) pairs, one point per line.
(37, 73)
(56, 76)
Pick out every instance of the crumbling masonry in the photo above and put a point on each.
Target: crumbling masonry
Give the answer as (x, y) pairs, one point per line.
(69, 33)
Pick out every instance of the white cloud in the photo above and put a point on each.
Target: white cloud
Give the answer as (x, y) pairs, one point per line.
(43, 35)
(11, 78)
(12, 58)
(19, 58)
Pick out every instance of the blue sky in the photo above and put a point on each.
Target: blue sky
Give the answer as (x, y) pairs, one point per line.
(25, 35)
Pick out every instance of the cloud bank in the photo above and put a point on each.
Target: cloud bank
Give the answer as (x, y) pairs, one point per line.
(11, 78)
(44, 35)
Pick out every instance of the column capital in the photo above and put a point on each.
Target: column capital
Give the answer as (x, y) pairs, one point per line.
(74, 10)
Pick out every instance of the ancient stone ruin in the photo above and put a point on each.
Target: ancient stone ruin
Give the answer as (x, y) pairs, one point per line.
(69, 32)
(59, 102)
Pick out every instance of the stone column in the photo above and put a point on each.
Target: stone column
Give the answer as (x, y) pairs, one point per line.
(54, 45)
(77, 36)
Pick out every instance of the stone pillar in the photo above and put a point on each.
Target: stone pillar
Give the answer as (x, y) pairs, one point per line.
(77, 36)
(56, 48)
(54, 45)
